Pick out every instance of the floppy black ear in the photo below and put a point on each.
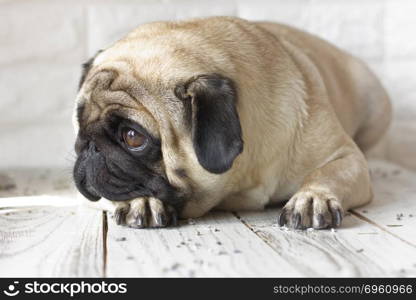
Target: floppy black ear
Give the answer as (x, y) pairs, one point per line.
(216, 130)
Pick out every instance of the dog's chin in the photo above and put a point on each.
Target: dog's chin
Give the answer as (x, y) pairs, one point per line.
(80, 179)
(89, 192)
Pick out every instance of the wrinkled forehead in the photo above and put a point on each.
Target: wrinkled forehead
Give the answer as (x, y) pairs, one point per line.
(103, 97)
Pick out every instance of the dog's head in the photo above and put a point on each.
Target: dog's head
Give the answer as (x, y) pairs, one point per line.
(146, 129)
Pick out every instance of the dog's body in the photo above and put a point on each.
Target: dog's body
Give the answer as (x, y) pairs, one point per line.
(203, 88)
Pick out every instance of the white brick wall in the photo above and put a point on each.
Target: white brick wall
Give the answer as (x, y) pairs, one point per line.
(43, 43)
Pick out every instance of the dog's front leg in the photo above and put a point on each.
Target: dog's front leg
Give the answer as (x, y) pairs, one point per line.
(330, 190)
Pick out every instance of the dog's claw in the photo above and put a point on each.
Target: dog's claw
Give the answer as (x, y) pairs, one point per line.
(173, 216)
(141, 221)
(297, 221)
(282, 217)
(321, 221)
(337, 218)
(161, 220)
(120, 214)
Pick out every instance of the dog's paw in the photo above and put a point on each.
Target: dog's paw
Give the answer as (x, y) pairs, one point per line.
(312, 209)
(145, 213)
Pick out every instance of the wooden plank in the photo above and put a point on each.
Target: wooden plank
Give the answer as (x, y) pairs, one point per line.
(45, 241)
(357, 249)
(215, 245)
(394, 204)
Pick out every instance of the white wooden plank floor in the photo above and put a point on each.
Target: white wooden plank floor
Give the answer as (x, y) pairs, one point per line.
(44, 233)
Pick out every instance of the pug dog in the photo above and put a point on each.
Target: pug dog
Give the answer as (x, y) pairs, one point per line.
(178, 118)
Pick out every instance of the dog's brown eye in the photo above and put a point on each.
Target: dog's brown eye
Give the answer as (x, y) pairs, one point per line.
(133, 139)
